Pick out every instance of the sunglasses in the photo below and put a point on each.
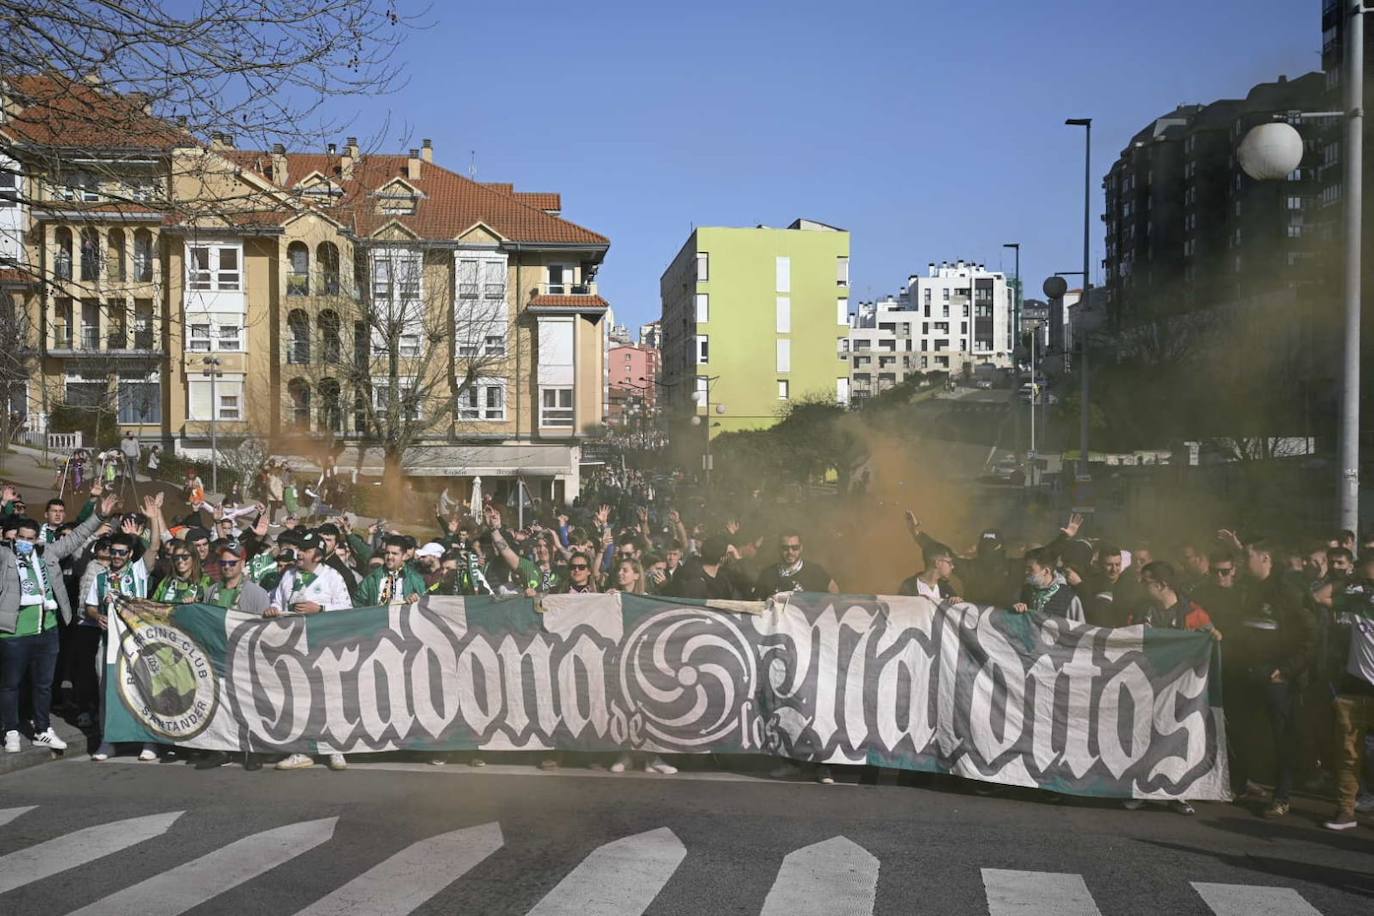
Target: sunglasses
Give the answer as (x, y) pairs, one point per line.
(579, 566)
(1224, 570)
(229, 562)
(791, 547)
(119, 553)
(182, 557)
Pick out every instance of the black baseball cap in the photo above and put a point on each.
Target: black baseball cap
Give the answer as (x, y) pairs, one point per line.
(310, 541)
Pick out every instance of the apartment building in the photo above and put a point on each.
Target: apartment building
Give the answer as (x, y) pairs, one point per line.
(753, 319)
(634, 381)
(329, 301)
(881, 348)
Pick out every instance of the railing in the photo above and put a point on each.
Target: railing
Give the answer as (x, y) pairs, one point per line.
(566, 289)
(297, 285)
(62, 337)
(64, 442)
(90, 338)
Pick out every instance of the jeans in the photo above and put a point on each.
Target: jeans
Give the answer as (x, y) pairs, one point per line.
(87, 661)
(1282, 705)
(33, 655)
(1353, 714)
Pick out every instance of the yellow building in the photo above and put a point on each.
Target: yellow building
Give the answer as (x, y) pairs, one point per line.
(379, 308)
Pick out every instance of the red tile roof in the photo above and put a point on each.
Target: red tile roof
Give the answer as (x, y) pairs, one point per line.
(572, 303)
(451, 203)
(544, 200)
(52, 110)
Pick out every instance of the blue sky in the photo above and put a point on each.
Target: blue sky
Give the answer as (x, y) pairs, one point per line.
(931, 130)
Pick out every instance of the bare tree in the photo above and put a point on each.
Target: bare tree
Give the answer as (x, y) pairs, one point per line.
(412, 356)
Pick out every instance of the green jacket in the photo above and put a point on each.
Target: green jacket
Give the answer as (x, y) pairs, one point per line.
(370, 589)
(361, 550)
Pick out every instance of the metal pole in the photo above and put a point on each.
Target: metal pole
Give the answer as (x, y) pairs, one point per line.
(213, 365)
(1034, 389)
(1083, 302)
(706, 421)
(1354, 216)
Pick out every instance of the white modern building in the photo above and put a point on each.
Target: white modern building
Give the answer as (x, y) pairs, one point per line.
(956, 318)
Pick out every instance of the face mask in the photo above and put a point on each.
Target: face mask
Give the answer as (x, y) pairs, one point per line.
(23, 548)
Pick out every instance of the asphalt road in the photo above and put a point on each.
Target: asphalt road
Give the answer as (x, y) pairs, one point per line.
(398, 838)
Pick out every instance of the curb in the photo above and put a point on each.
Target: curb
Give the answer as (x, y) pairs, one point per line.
(31, 756)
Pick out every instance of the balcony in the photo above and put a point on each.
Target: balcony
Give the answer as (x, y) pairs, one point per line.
(67, 343)
(569, 298)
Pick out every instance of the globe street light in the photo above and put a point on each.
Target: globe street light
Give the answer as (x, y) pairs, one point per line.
(1270, 152)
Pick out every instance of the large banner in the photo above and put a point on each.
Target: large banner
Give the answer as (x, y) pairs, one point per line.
(896, 682)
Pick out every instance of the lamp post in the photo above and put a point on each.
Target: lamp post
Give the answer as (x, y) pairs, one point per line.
(212, 369)
(1087, 125)
(1270, 152)
(704, 397)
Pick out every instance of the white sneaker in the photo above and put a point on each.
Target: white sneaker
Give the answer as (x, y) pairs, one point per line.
(11, 742)
(437, 761)
(477, 762)
(103, 753)
(824, 776)
(296, 762)
(147, 755)
(621, 764)
(337, 762)
(45, 739)
(660, 766)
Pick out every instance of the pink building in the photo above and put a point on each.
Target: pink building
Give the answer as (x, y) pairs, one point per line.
(629, 365)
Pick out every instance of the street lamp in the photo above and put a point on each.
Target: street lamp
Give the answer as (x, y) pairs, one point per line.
(1271, 152)
(1087, 125)
(212, 365)
(703, 397)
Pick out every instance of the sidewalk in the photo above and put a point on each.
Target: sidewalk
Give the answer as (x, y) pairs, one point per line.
(31, 756)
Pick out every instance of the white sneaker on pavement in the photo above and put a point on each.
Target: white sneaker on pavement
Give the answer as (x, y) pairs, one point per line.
(103, 753)
(296, 762)
(621, 764)
(45, 739)
(824, 776)
(337, 762)
(660, 766)
(12, 742)
(147, 754)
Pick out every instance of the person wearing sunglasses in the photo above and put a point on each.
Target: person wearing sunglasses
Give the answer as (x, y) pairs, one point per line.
(32, 601)
(184, 582)
(580, 575)
(234, 591)
(129, 578)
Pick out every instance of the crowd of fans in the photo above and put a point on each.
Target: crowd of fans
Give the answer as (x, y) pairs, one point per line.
(1297, 618)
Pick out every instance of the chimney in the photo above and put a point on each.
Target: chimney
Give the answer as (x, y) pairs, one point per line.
(221, 141)
(345, 161)
(279, 170)
(427, 151)
(413, 165)
(353, 147)
(331, 149)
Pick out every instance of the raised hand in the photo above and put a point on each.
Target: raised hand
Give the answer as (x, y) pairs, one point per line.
(603, 515)
(10, 493)
(1075, 522)
(108, 504)
(129, 526)
(731, 527)
(913, 524)
(1230, 537)
(97, 488)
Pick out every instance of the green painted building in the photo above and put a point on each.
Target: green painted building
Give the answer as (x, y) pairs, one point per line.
(753, 319)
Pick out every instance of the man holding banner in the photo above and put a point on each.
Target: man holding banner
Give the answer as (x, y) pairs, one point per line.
(311, 587)
(394, 582)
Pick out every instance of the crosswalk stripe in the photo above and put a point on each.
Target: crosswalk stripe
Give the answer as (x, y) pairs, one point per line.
(1253, 900)
(619, 879)
(178, 890)
(1037, 893)
(43, 860)
(9, 814)
(412, 876)
(837, 876)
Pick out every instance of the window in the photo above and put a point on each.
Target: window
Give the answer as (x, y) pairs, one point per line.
(703, 389)
(114, 257)
(87, 388)
(703, 349)
(298, 344)
(784, 355)
(210, 267)
(298, 391)
(227, 395)
(140, 398)
(396, 275)
(784, 315)
(9, 188)
(62, 253)
(408, 345)
(327, 260)
(200, 338)
(230, 337)
(556, 407)
(298, 280)
(484, 400)
(842, 391)
(784, 275)
(842, 271)
(560, 280)
(703, 308)
(842, 311)
(408, 405)
(703, 266)
(784, 389)
(143, 256)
